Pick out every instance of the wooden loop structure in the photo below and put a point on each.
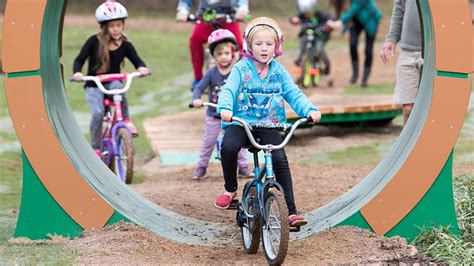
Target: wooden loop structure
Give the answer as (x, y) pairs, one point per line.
(66, 189)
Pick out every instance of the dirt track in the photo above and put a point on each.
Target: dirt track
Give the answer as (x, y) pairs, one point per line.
(315, 185)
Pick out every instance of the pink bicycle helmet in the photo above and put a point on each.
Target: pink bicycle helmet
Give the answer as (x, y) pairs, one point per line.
(220, 36)
(108, 11)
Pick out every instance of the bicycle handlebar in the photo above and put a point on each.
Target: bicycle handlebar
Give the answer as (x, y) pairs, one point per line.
(218, 18)
(191, 105)
(128, 77)
(270, 147)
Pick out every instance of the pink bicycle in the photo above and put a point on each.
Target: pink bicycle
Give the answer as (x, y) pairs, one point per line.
(117, 150)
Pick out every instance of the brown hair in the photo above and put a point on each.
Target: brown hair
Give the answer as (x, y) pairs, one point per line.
(103, 64)
(221, 45)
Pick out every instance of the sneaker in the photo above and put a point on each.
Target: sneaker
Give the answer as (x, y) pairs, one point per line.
(98, 153)
(198, 173)
(297, 220)
(223, 201)
(132, 127)
(244, 172)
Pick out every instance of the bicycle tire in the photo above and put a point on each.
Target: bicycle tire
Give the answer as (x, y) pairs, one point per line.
(251, 233)
(305, 75)
(275, 207)
(124, 156)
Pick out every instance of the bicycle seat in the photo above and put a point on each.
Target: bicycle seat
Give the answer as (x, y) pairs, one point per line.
(251, 148)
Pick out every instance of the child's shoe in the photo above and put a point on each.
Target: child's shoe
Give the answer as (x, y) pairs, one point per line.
(244, 172)
(131, 126)
(223, 201)
(297, 220)
(198, 173)
(98, 153)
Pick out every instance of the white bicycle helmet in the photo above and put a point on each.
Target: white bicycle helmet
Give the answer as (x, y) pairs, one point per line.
(108, 11)
(306, 5)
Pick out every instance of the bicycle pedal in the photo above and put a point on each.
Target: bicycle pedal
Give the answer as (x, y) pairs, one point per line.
(234, 205)
(295, 229)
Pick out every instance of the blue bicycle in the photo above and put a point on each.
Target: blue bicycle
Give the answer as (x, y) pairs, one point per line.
(262, 211)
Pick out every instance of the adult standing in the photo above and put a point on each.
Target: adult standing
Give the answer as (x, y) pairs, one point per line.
(362, 15)
(406, 31)
(201, 31)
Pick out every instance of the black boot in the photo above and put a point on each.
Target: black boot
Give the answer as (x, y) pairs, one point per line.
(365, 77)
(355, 72)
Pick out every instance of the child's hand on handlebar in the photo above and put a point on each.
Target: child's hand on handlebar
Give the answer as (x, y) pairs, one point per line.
(294, 20)
(226, 115)
(78, 76)
(144, 71)
(316, 116)
(197, 103)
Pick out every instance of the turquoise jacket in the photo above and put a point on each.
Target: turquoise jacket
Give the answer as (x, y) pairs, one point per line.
(366, 12)
(261, 101)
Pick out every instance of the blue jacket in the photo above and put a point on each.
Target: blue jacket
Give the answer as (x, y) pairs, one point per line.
(260, 101)
(366, 12)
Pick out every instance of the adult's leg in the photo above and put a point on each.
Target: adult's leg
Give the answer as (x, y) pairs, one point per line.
(234, 139)
(407, 111)
(196, 45)
(355, 31)
(369, 47)
(281, 167)
(95, 99)
(409, 66)
(234, 27)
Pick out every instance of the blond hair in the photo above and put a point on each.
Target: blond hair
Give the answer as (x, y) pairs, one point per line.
(261, 28)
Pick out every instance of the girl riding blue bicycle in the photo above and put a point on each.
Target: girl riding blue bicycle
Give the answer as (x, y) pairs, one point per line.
(255, 91)
(106, 52)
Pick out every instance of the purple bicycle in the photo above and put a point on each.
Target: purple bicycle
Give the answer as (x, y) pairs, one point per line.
(116, 149)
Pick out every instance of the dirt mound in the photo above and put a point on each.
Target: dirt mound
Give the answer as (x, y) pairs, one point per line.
(129, 244)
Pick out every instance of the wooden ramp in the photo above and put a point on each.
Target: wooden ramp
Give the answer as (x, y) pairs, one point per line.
(177, 138)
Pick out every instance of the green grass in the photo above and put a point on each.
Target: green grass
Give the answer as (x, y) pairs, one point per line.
(439, 243)
(357, 155)
(10, 189)
(372, 89)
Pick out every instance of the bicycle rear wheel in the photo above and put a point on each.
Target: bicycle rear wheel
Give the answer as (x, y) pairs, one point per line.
(123, 161)
(251, 227)
(275, 231)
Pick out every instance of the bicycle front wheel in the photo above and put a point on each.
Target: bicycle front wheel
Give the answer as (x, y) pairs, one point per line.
(123, 161)
(276, 231)
(251, 227)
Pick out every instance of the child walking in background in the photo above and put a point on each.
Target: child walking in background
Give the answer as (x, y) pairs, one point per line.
(255, 91)
(106, 52)
(311, 18)
(223, 47)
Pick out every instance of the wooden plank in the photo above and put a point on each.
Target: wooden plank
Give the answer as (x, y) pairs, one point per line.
(452, 27)
(22, 35)
(38, 140)
(425, 162)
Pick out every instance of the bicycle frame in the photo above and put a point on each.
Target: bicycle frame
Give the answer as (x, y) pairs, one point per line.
(111, 148)
(268, 174)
